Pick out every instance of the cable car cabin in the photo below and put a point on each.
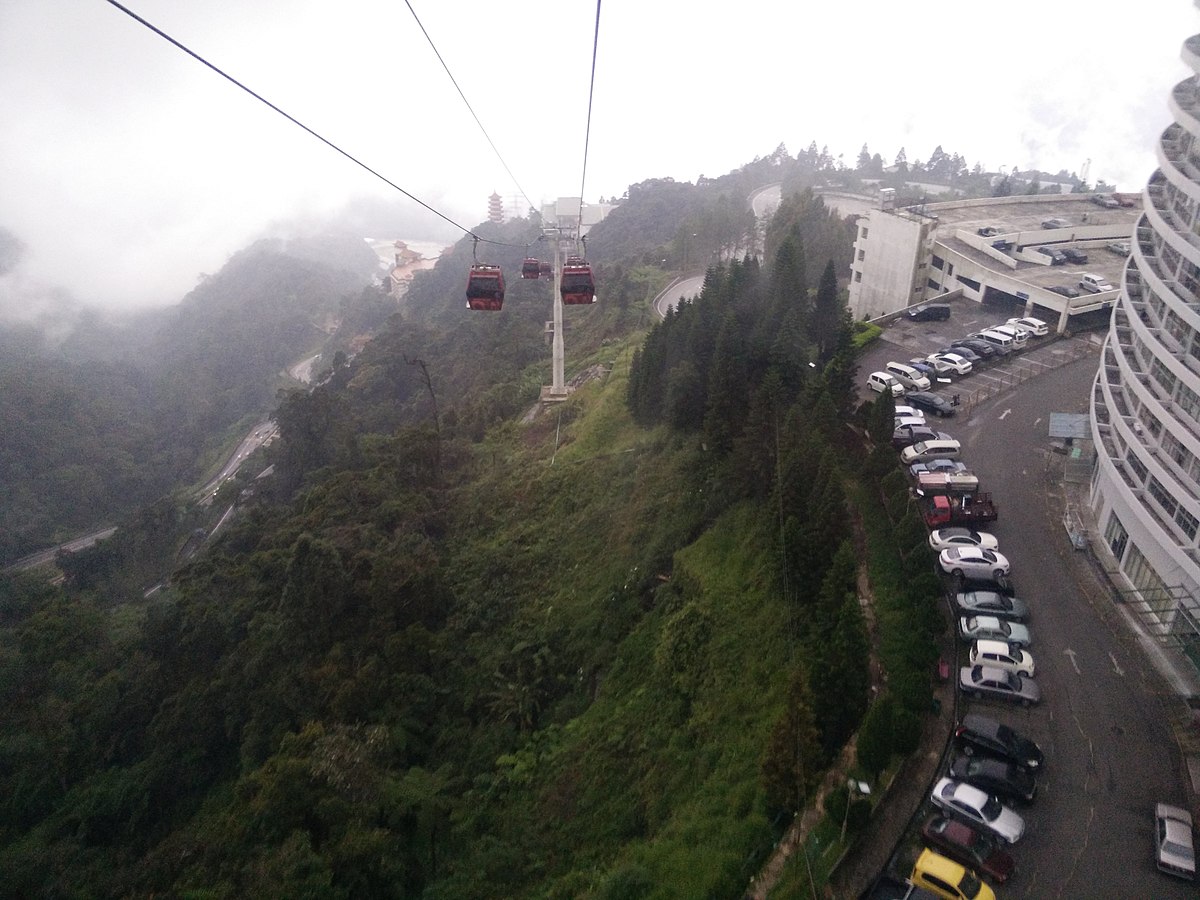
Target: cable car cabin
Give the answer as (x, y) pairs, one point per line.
(577, 286)
(531, 267)
(485, 288)
(545, 269)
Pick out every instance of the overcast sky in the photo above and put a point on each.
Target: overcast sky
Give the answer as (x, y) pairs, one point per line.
(128, 168)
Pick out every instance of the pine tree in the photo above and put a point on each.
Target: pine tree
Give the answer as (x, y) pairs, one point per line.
(827, 316)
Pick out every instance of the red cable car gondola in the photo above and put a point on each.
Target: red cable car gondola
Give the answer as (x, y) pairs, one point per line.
(545, 269)
(531, 267)
(485, 287)
(577, 286)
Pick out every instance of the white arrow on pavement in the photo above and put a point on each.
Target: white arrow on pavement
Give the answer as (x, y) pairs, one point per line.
(1005, 413)
(1071, 653)
(1116, 668)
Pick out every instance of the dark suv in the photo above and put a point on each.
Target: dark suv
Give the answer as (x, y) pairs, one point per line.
(930, 312)
(979, 734)
(1073, 255)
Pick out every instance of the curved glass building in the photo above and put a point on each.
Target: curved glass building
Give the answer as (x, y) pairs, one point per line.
(1145, 403)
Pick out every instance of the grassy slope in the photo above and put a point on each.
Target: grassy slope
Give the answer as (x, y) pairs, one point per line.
(657, 781)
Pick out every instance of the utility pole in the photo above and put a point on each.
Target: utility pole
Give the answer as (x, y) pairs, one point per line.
(558, 388)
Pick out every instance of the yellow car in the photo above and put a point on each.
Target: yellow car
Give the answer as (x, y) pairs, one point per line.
(946, 878)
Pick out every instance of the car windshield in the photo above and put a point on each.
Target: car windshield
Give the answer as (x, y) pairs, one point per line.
(991, 809)
(970, 885)
(1177, 849)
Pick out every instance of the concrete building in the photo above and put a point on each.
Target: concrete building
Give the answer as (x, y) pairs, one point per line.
(1145, 403)
(568, 214)
(997, 249)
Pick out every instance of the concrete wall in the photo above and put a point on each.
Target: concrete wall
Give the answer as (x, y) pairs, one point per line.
(892, 252)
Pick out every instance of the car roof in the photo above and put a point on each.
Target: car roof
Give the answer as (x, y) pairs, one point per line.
(990, 645)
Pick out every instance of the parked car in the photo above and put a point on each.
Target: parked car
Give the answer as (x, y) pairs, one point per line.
(991, 603)
(937, 465)
(907, 376)
(1121, 248)
(881, 382)
(988, 231)
(1002, 655)
(1055, 223)
(996, 776)
(1074, 255)
(941, 368)
(947, 449)
(931, 402)
(929, 312)
(1094, 284)
(960, 536)
(1036, 327)
(981, 349)
(1057, 258)
(973, 562)
(1019, 335)
(907, 435)
(998, 684)
(982, 628)
(1104, 200)
(905, 411)
(978, 807)
(1002, 343)
(925, 368)
(982, 734)
(970, 846)
(960, 363)
(1065, 291)
(901, 421)
(934, 875)
(1173, 848)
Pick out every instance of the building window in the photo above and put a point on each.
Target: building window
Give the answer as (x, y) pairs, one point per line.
(1137, 467)
(1116, 536)
(1187, 522)
(1163, 497)
(968, 282)
(862, 254)
(858, 276)
(938, 262)
(864, 233)
(933, 284)
(950, 269)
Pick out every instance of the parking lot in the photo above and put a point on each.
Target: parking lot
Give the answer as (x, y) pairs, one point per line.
(1103, 719)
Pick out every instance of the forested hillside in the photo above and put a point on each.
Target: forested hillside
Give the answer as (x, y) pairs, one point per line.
(441, 653)
(125, 409)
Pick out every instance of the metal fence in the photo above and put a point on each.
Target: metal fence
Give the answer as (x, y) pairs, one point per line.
(1013, 374)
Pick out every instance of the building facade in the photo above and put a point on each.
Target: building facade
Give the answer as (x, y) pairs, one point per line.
(1145, 401)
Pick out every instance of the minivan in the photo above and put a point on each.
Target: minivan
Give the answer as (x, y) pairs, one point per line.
(1002, 342)
(1094, 283)
(936, 449)
(1019, 335)
(908, 376)
(882, 382)
(1002, 655)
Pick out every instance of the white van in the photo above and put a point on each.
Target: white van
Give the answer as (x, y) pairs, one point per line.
(1019, 335)
(1002, 655)
(908, 376)
(881, 382)
(996, 338)
(1094, 283)
(937, 449)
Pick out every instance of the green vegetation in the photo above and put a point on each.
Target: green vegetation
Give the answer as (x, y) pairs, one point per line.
(605, 653)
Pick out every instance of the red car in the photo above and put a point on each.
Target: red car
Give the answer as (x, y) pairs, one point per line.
(972, 848)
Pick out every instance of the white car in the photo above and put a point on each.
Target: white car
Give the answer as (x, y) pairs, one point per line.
(973, 562)
(880, 382)
(983, 628)
(1019, 335)
(977, 807)
(945, 538)
(1035, 327)
(1002, 655)
(1096, 284)
(909, 412)
(1173, 846)
(901, 421)
(961, 364)
(908, 376)
(940, 367)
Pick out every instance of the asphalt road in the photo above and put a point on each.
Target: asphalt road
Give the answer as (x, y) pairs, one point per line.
(1109, 753)
(678, 290)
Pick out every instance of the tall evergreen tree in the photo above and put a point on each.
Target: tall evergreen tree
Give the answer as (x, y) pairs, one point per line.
(827, 316)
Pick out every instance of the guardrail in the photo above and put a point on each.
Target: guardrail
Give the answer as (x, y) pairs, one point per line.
(1021, 371)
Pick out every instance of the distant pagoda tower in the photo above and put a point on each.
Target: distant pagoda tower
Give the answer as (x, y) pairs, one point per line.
(495, 209)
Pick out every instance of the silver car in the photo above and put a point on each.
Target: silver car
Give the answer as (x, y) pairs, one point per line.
(969, 803)
(992, 681)
(1173, 846)
(989, 628)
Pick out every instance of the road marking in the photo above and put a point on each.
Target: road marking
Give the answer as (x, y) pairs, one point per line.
(1004, 414)
(1037, 421)
(1116, 668)
(1071, 653)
